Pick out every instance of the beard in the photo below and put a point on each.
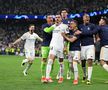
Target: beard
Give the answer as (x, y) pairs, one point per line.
(31, 31)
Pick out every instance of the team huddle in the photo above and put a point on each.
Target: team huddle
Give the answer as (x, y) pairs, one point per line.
(61, 34)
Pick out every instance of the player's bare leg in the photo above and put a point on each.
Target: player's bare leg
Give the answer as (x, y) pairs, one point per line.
(104, 65)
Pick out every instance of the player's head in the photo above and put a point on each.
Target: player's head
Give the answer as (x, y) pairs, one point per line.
(31, 28)
(58, 18)
(103, 21)
(86, 18)
(49, 19)
(73, 24)
(64, 13)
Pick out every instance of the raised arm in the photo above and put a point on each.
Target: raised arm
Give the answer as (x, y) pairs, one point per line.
(49, 29)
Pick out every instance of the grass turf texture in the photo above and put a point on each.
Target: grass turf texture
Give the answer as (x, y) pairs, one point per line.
(11, 77)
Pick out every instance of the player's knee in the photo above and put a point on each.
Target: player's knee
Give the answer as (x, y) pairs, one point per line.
(52, 56)
(50, 62)
(90, 61)
(30, 59)
(102, 62)
(44, 60)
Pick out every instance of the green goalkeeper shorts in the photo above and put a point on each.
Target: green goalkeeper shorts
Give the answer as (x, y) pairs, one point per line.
(45, 51)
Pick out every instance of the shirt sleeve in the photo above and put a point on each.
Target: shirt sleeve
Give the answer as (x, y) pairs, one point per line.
(38, 38)
(23, 37)
(66, 29)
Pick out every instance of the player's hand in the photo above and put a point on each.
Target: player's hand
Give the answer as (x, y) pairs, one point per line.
(98, 39)
(77, 32)
(11, 44)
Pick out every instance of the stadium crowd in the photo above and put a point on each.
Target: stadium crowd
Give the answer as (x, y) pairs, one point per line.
(42, 7)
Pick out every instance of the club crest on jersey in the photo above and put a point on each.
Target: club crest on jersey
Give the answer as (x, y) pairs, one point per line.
(88, 28)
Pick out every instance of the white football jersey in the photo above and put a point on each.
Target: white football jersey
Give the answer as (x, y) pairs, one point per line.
(29, 40)
(57, 39)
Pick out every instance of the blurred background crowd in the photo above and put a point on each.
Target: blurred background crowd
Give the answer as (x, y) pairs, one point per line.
(42, 7)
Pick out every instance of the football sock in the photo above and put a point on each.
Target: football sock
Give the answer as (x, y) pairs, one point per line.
(105, 66)
(75, 70)
(48, 68)
(28, 67)
(71, 67)
(84, 67)
(43, 68)
(61, 69)
(89, 73)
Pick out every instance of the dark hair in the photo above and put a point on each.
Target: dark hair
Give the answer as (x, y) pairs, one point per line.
(105, 19)
(31, 25)
(48, 15)
(75, 21)
(64, 9)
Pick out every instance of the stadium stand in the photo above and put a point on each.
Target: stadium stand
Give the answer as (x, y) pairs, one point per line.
(42, 7)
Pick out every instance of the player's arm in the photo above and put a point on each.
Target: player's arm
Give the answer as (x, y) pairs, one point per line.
(74, 38)
(49, 29)
(17, 41)
(39, 38)
(23, 37)
(97, 38)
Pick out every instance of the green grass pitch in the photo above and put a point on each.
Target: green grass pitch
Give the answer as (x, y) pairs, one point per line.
(11, 77)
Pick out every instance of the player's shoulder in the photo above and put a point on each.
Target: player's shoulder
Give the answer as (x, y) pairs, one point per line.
(45, 25)
(64, 25)
(35, 34)
(26, 33)
(80, 25)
